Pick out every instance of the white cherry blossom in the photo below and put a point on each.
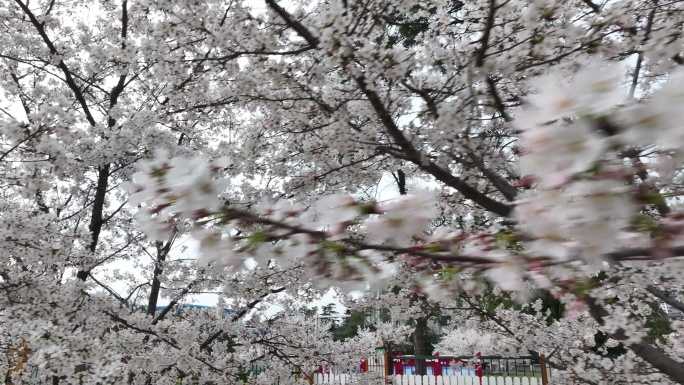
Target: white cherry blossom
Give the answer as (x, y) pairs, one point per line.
(550, 133)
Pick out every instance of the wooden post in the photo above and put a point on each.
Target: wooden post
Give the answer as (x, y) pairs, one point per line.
(388, 368)
(544, 373)
(309, 377)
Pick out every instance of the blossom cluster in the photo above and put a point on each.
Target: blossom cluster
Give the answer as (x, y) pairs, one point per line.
(582, 147)
(179, 189)
(564, 184)
(583, 205)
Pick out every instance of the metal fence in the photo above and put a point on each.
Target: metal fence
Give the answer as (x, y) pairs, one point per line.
(525, 366)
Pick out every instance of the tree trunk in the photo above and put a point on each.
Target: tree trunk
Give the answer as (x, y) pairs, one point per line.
(162, 252)
(419, 345)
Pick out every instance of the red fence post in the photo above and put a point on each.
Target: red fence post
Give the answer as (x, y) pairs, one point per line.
(478, 367)
(398, 365)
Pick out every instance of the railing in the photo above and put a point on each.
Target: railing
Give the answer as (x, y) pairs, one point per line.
(525, 366)
(458, 380)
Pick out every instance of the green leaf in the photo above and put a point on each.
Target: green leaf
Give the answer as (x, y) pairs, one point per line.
(333, 246)
(258, 237)
(433, 248)
(448, 273)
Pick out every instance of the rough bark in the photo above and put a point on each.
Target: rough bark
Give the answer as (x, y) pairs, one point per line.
(419, 345)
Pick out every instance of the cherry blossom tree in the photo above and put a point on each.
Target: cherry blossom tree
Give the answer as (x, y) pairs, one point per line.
(547, 134)
(469, 342)
(78, 111)
(386, 334)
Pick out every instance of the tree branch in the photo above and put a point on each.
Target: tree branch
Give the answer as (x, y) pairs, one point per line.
(162, 253)
(594, 7)
(484, 42)
(294, 24)
(498, 103)
(661, 295)
(97, 217)
(239, 315)
(61, 65)
(415, 157)
(506, 189)
(659, 360)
